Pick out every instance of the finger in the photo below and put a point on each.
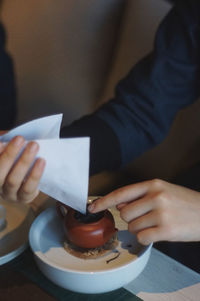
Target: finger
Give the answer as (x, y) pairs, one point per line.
(121, 195)
(28, 190)
(120, 206)
(9, 156)
(19, 171)
(143, 222)
(137, 208)
(151, 235)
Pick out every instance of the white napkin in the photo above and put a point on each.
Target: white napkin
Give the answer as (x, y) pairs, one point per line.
(66, 174)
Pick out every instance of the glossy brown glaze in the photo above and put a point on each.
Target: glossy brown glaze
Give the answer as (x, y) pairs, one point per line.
(88, 234)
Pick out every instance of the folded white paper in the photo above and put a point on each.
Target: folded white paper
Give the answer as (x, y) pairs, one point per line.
(41, 128)
(66, 174)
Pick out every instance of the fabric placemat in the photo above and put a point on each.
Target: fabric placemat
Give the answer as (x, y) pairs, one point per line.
(25, 264)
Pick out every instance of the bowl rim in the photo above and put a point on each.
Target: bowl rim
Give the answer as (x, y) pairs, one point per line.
(45, 260)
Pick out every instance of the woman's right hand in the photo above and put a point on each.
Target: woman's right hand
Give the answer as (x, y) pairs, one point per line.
(156, 210)
(17, 181)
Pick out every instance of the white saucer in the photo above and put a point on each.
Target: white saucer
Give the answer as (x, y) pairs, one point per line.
(80, 275)
(14, 233)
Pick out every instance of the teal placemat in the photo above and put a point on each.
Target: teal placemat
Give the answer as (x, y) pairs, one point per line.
(25, 264)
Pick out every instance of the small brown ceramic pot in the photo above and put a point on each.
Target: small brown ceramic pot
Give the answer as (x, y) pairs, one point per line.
(87, 231)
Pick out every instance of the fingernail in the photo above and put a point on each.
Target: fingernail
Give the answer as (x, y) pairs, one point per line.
(33, 147)
(91, 207)
(19, 140)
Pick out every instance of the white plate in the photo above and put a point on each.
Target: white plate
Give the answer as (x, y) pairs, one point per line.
(80, 275)
(14, 234)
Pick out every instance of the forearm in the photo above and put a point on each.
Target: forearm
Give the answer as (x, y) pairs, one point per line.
(147, 100)
(105, 150)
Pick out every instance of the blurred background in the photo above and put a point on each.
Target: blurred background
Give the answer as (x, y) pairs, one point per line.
(68, 57)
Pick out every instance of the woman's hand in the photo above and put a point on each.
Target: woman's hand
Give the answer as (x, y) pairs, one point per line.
(17, 181)
(156, 210)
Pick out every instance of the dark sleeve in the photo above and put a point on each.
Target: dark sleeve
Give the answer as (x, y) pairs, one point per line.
(7, 87)
(147, 100)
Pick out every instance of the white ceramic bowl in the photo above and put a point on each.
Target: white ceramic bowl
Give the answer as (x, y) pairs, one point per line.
(80, 275)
